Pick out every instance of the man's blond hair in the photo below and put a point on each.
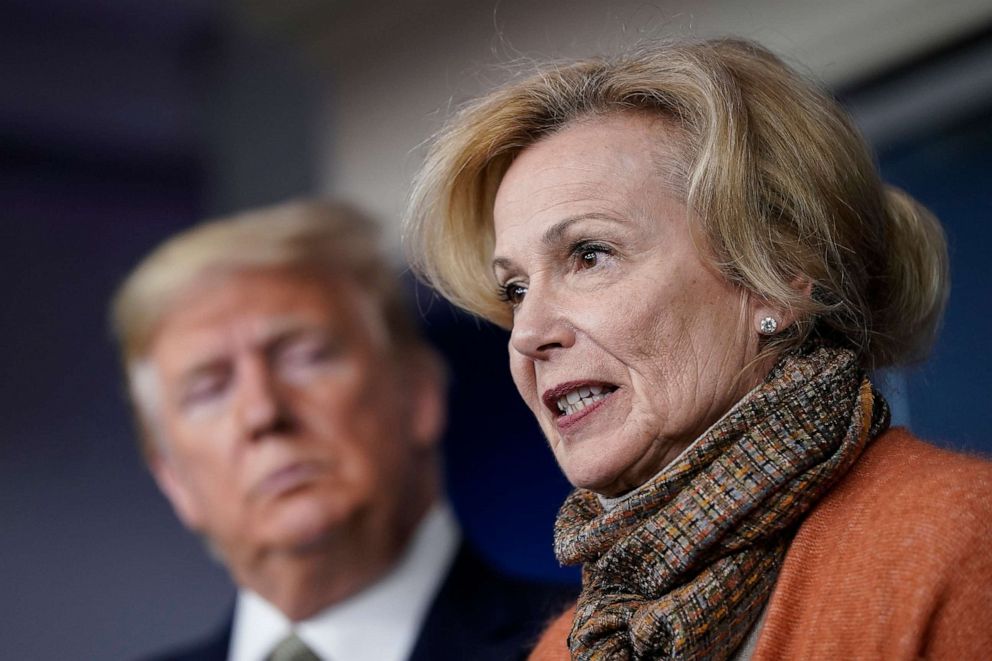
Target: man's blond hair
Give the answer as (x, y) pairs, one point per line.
(321, 238)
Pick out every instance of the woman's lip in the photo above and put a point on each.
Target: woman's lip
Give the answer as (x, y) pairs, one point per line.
(567, 423)
(287, 478)
(552, 395)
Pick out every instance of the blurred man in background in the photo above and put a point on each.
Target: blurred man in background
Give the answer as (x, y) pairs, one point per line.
(290, 412)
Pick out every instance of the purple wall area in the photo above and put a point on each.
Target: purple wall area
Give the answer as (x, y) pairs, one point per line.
(99, 160)
(94, 564)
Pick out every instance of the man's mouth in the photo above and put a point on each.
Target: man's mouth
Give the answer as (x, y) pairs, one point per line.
(288, 478)
(570, 398)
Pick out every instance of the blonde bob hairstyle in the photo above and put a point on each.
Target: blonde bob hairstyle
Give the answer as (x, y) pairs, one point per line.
(323, 239)
(785, 192)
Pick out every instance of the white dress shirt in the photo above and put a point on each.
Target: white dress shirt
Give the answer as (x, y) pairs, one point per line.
(380, 623)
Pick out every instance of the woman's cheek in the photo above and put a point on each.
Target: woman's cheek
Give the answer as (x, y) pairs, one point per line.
(522, 372)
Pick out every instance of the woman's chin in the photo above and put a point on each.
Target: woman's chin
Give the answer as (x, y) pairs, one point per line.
(595, 477)
(608, 478)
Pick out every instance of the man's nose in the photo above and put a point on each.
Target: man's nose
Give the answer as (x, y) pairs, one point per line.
(259, 402)
(540, 325)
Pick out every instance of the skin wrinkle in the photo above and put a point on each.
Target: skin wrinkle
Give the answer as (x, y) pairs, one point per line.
(654, 319)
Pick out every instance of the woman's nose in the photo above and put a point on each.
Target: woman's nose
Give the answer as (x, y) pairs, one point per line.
(540, 326)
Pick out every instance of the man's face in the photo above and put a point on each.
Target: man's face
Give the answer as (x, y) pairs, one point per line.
(283, 418)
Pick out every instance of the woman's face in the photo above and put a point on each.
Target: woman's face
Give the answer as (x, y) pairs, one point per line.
(626, 345)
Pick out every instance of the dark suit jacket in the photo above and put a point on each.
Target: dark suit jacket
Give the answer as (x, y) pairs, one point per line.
(479, 614)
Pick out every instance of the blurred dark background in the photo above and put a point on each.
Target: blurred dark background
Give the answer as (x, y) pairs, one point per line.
(123, 121)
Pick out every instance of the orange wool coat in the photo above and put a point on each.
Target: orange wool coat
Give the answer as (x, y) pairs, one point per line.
(895, 562)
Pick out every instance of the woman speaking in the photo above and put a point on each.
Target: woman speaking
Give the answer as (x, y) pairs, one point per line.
(701, 269)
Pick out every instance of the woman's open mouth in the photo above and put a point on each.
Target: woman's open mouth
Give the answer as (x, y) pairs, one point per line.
(568, 400)
(578, 399)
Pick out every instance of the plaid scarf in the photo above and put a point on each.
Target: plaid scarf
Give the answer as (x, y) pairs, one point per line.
(681, 567)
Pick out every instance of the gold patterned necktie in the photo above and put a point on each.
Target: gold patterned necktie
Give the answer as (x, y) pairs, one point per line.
(292, 649)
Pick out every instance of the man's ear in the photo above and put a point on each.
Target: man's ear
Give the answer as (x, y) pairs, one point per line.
(429, 398)
(174, 488)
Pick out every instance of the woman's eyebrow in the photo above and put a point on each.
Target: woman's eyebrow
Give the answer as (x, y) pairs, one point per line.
(551, 236)
(554, 234)
(504, 263)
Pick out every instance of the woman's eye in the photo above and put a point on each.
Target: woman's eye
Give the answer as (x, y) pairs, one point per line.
(589, 255)
(589, 258)
(512, 293)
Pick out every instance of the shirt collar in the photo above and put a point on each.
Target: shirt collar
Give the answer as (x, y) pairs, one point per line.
(380, 623)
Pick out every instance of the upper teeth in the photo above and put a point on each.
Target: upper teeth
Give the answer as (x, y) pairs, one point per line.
(578, 399)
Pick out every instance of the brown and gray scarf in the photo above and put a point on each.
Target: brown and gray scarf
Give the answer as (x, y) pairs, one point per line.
(682, 567)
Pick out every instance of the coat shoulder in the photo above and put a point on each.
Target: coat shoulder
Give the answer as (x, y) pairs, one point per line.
(553, 644)
(904, 491)
(891, 561)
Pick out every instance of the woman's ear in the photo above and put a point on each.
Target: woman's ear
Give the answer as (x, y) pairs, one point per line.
(770, 319)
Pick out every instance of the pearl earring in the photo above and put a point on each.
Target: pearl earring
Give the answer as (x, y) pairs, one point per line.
(767, 326)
